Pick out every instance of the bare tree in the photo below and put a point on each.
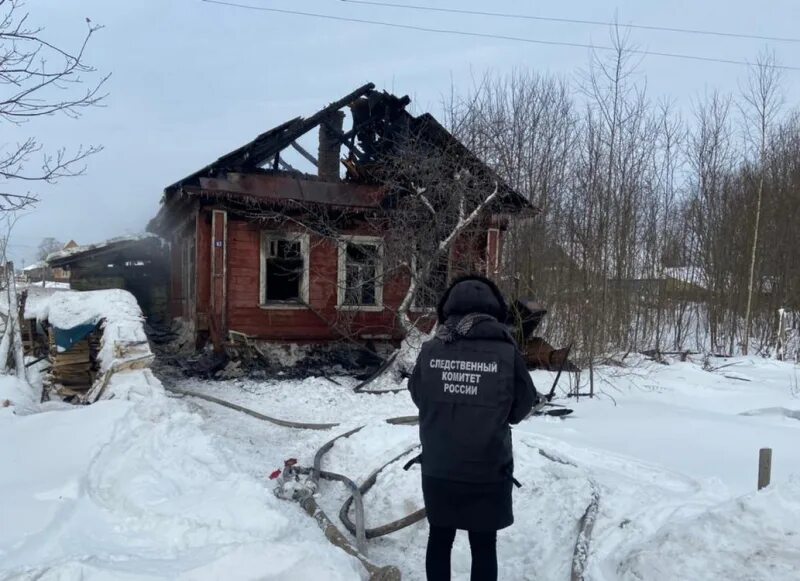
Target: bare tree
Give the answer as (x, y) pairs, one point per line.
(762, 104)
(645, 241)
(47, 246)
(661, 217)
(431, 226)
(711, 156)
(611, 188)
(11, 340)
(40, 79)
(441, 196)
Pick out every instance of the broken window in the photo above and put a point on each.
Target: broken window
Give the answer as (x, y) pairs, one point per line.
(283, 269)
(432, 287)
(360, 273)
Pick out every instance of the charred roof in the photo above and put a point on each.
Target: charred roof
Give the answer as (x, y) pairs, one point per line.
(257, 173)
(138, 245)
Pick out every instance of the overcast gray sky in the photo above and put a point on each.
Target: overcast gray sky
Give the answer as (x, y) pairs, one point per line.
(191, 80)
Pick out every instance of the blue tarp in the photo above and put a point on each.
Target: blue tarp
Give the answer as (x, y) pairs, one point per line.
(66, 338)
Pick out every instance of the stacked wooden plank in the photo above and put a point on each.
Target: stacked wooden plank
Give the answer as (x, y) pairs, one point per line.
(27, 329)
(74, 371)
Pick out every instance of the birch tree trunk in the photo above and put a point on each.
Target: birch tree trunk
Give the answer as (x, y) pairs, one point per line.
(748, 311)
(762, 96)
(14, 329)
(5, 345)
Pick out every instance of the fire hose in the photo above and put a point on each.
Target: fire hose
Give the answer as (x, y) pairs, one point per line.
(305, 495)
(392, 527)
(316, 473)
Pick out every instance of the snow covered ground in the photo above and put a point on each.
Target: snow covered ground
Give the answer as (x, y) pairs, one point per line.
(672, 450)
(177, 487)
(124, 490)
(135, 487)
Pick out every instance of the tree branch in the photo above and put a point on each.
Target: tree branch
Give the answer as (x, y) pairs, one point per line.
(39, 79)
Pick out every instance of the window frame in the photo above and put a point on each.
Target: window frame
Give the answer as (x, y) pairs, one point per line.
(268, 236)
(341, 278)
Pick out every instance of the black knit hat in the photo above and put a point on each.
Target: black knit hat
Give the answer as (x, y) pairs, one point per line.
(472, 294)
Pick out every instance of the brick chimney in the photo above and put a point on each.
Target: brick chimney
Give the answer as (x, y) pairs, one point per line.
(329, 147)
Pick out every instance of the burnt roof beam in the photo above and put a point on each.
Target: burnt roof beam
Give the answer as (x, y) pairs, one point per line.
(349, 143)
(302, 151)
(284, 164)
(264, 147)
(304, 126)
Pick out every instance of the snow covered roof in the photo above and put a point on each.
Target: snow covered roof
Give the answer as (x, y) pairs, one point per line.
(34, 266)
(124, 338)
(68, 254)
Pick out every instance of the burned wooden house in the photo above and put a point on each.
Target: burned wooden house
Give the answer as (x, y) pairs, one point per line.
(251, 255)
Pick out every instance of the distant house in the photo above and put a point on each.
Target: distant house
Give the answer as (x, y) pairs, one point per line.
(42, 272)
(138, 264)
(674, 283)
(242, 259)
(36, 272)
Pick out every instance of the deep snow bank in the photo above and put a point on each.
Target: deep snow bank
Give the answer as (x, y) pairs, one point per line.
(120, 490)
(15, 394)
(135, 488)
(753, 537)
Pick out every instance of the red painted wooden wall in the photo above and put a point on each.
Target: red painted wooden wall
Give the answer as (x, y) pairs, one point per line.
(228, 270)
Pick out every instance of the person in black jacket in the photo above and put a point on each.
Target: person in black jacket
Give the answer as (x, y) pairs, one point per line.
(469, 383)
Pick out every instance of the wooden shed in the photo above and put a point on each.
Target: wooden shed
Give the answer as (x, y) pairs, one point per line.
(245, 258)
(138, 264)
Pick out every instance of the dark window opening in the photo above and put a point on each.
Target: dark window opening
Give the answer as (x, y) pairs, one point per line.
(361, 273)
(284, 271)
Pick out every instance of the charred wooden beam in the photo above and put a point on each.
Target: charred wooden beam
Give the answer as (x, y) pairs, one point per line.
(303, 126)
(284, 164)
(266, 145)
(302, 151)
(284, 189)
(348, 142)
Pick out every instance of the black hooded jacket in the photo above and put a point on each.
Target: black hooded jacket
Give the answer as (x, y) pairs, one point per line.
(470, 382)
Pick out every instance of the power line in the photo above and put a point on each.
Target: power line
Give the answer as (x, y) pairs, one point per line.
(493, 36)
(698, 31)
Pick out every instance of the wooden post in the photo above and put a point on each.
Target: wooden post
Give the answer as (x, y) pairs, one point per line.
(219, 263)
(764, 467)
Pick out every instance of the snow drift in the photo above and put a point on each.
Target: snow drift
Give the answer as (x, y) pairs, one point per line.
(753, 537)
(141, 492)
(15, 393)
(135, 488)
